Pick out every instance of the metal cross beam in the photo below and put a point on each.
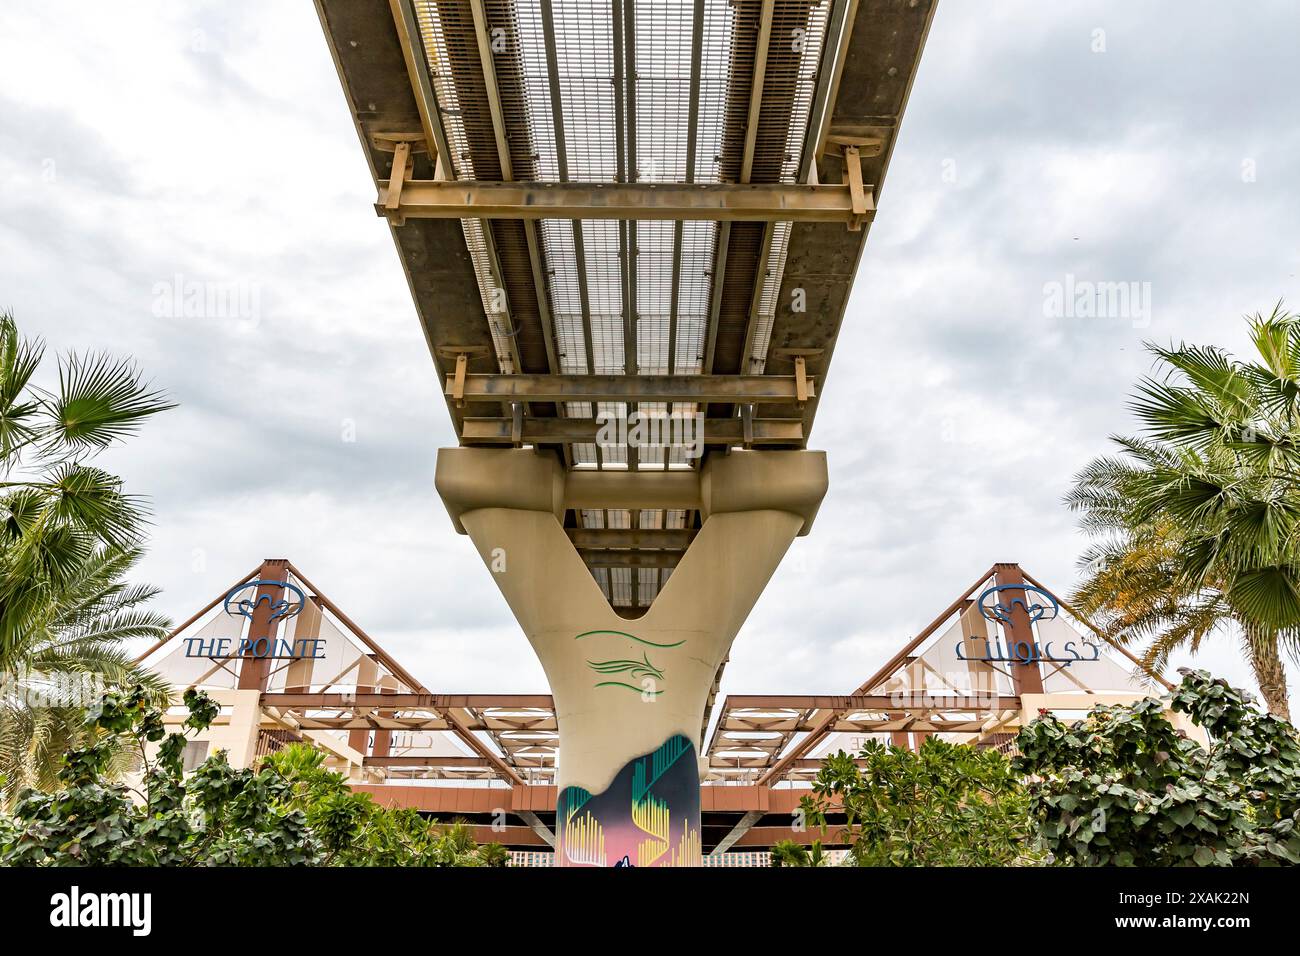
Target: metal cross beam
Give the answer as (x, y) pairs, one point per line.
(749, 389)
(600, 538)
(918, 701)
(541, 431)
(630, 559)
(723, 202)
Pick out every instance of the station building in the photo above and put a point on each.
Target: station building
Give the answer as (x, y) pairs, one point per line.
(287, 665)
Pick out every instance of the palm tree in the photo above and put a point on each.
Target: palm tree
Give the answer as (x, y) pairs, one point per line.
(70, 654)
(56, 507)
(494, 854)
(1197, 521)
(453, 844)
(789, 853)
(68, 532)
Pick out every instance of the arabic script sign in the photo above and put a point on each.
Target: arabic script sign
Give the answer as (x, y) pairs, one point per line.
(1024, 652)
(998, 604)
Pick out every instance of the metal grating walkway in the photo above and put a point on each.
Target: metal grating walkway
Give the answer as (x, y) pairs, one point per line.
(583, 192)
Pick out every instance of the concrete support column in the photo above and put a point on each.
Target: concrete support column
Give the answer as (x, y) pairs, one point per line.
(238, 737)
(630, 694)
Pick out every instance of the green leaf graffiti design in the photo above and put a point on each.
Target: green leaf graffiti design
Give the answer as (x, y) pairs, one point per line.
(634, 669)
(633, 637)
(637, 670)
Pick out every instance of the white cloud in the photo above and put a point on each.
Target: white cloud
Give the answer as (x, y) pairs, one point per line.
(211, 141)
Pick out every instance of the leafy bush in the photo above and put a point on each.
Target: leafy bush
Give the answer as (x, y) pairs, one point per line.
(789, 853)
(1122, 787)
(291, 811)
(944, 805)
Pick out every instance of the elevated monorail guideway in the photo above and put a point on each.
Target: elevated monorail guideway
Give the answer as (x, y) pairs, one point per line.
(630, 229)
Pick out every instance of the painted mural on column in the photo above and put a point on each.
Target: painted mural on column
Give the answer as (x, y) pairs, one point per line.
(649, 815)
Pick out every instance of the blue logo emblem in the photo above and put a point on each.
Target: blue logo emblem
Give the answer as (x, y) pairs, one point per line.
(1037, 603)
(237, 606)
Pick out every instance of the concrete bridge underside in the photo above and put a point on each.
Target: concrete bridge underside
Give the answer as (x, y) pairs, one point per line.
(648, 214)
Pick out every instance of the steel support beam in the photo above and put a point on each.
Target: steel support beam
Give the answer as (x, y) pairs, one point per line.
(723, 202)
(870, 703)
(1026, 677)
(600, 538)
(739, 830)
(401, 701)
(630, 559)
(756, 89)
(753, 389)
(450, 763)
(545, 431)
(538, 827)
(805, 745)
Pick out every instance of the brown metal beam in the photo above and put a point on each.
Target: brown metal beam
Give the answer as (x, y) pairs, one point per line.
(756, 87)
(600, 538)
(537, 826)
(264, 624)
(1026, 676)
(512, 836)
(722, 202)
(868, 702)
(759, 837)
(417, 701)
(719, 760)
(538, 431)
(630, 559)
(1136, 662)
(198, 614)
(807, 743)
(753, 389)
(504, 769)
(459, 763)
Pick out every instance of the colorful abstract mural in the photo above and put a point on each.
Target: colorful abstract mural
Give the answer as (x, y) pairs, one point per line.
(648, 816)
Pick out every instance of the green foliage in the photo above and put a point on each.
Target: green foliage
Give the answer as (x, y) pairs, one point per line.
(1197, 522)
(68, 535)
(290, 811)
(69, 654)
(1122, 787)
(789, 853)
(944, 805)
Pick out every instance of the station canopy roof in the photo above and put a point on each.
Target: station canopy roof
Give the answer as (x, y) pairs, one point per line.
(946, 681)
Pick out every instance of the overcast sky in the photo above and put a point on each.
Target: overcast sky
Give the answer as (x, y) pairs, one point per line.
(1045, 145)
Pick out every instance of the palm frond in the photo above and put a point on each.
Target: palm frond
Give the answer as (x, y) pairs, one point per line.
(1216, 381)
(19, 360)
(100, 401)
(1176, 414)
